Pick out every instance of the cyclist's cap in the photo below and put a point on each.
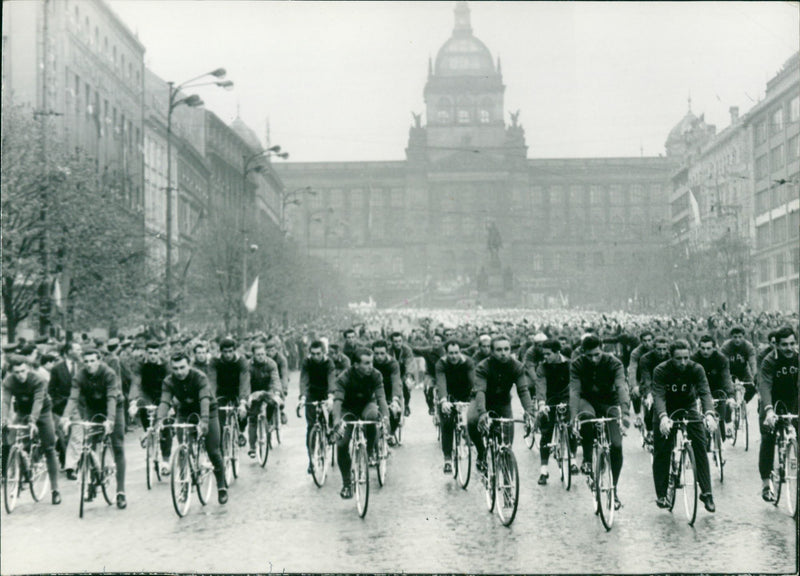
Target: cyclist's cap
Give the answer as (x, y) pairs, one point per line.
(227, 344)
(28, 349)
(112, 344)
(153, 345)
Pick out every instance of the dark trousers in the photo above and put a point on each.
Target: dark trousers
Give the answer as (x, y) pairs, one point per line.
(165, 438)
(503, 410)
(662, 447)
(311, 419)
(448, 423)
(588, 432)
(406, 393)
(370, 412)
(117, 442)
(546, 426)
(252, 418)
(242, 422)
(47, 436)
(766, 451)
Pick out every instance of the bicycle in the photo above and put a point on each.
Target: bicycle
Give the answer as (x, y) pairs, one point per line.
(151, 445)
(26, 463)
(501, 480)
(715, 438)
(381, 454)
(462, 446)
(682, 467)
(530, 429)
(359, 462)
(318, 443)
(784, 466)
(190, 467)
(559, 444)
(601, 479)
(95, 472)
(740, 422)
(230, 441)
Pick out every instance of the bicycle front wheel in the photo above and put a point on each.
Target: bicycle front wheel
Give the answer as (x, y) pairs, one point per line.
(777, 473)
(688, 482)
(790, 475)
(604, 490)
(203, 473)
(506, 486)
(108, 470)
(227, 454)
(565, 457)
(745, 426)
(718, 454)
(181, 481)
(317, 450)
(530, 436)
(149, 460)
(85, 465)
(39, 478)
(262, 441)
(13, 480)
(361, 479)
(235, 451)
(489, 480)
(383, 453)
(463, 459)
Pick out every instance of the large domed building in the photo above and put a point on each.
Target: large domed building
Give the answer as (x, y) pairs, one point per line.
(468, 218)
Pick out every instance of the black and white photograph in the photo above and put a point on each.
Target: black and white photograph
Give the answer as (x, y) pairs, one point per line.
(484, 287)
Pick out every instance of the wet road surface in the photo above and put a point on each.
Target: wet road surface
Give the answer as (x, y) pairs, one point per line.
(421, 521)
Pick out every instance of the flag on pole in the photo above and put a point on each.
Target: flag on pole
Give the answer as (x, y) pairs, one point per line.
(695, 207)
(57, 293)
(251, 296)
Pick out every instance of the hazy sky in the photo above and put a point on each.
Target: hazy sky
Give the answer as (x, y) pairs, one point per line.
(339, 80)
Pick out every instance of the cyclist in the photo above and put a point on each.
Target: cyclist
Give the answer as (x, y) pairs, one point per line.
(32, 404)
(677, 384)
(350, 345)
(393, 389)
(431, 354)
(317, 380)
(358, 391)
(59, 389)
(405, 359)
(187, 390)
(201, 359)
(778, 381)
(484, 349)
(455, 381)
(148, 376)
(273, 351)
(494, 378)
(552, 387)
(96, 392)
(232, 386)
(265, 386)
(340, 361)
(596, 384)
(718, 374)
(634, 372)
(742, 357)
(647, 365)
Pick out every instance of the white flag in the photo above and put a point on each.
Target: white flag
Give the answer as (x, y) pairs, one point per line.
(695, 207)
(251, 296)
(57, 293)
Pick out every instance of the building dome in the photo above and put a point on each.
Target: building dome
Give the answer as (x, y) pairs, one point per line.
(682, 128)
(463, 54)
(245, 133)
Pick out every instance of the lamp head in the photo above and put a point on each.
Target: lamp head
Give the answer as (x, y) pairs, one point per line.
(218, 73)
(194, 101)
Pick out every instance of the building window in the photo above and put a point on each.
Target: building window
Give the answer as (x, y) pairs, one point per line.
(780, 272)
(779, 230)
(776, 157)
(794, 224)
(794, 109)
(761, 167)
(795, 260)
(485, 117)
(761, 132)
(777, 121)
(463, 116)
(443, 116)
(793, 152)
(762, 236)
(763, 270)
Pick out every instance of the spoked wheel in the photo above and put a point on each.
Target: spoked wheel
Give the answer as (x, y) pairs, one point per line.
(107, 471)
(272, 428)
(276, 428)
(507, 486)
(565, 455)
(745, 427)
(604, 490)
(85, 465)
(790, 476)
(777, 474)
(181, 482)
(687, 480)
(489, 481)
(383, 453)
(227, 450)
(235, 452)
(463, 459)
(39, 479)
(398, 433)
(318, 450)
(720, 461)
(149, 456)
(13, 480)
(262, 441)
(361, 479)
(530, 434)
(203, 474)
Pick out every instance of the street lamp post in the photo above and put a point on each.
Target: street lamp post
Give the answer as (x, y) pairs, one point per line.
(289, 198)
(314, 216)
(192, 101)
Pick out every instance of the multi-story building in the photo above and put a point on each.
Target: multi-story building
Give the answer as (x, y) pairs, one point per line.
(775, 131)
(468, 217)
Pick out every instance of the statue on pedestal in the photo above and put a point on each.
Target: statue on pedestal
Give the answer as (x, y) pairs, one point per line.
(494, 242)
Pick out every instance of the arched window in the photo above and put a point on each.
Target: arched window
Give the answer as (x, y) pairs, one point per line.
(463, 116)
(484, 114)
(443, 111)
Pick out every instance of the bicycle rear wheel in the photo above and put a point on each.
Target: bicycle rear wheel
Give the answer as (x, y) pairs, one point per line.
(745, 426)
(463, 459)
(235, 450)
(604, 490)
(489, 480)
(227, 454)
(565, 456)
(720, 461)
(13, 480)
(507, 486)
(262, 440)
(107, 470)
(181, 481)
(318, 451)
(203, 474)
(39, 478)
(688, 482)
(361, 479)
(790, 475)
